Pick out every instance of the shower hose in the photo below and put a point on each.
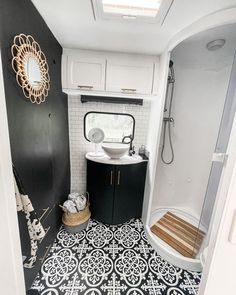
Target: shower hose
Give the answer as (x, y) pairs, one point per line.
(168, 120)
(170, 141)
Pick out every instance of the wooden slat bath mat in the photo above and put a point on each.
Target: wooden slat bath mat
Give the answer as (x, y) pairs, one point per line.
(179, 234)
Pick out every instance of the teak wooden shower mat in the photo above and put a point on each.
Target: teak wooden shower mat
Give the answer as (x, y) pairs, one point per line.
(179, 234)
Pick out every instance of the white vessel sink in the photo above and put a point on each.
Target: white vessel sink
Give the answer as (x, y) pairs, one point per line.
(115, 150)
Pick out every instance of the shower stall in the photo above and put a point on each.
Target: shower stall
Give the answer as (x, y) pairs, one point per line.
(197, 120)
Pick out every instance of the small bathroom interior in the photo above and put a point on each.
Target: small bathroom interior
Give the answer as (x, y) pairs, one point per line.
(118, 142)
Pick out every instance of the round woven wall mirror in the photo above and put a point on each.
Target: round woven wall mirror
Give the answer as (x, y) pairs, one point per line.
(31, 68)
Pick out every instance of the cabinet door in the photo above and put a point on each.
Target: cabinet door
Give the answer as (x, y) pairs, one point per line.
(129, 76)
(86, 73)
(129, 190)
(100, 186)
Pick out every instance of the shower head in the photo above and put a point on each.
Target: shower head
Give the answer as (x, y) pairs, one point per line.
(171, 76)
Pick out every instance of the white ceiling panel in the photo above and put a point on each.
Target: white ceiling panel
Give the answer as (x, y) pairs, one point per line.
(73, 24)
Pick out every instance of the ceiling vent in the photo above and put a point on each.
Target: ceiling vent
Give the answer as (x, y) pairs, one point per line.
(134, 11)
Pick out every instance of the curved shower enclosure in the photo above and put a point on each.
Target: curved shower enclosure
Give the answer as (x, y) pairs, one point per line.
(201, 84)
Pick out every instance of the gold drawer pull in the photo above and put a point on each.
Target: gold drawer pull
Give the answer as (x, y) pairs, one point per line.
(128, 89)
(111, 181)
(46, 231)
(118, 178)
(45, 210)
(45, 254)
(87, 87)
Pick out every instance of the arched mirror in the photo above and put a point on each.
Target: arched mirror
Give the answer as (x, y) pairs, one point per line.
(31, 68)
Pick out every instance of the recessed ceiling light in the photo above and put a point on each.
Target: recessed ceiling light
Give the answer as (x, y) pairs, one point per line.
(132, 8)
(215, 44)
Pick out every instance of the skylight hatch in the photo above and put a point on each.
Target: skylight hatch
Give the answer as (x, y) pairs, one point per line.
(147, 8)
(150, 11)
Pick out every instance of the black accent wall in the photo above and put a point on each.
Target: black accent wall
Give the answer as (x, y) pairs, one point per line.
(38, 133)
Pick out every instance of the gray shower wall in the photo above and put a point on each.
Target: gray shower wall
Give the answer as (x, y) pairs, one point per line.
(199, 97)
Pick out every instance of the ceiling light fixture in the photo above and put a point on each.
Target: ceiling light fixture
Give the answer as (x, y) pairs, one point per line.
(215, 44)
(132, 8)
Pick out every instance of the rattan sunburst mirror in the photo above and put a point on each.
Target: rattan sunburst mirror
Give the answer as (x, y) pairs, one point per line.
(31, 68)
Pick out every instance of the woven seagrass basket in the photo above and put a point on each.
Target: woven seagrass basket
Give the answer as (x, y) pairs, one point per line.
(76, 222)
(72, 219)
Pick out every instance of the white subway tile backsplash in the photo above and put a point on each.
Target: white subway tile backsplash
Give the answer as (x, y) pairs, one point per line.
(79, 146)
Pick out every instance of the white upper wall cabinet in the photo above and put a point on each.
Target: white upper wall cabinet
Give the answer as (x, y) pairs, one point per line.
(107, 73)
(85, 72)
(129, 75)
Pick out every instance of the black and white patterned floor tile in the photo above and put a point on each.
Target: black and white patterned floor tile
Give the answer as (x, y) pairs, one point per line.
(111, 260)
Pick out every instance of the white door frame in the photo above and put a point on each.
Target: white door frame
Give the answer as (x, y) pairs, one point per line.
(11, 267)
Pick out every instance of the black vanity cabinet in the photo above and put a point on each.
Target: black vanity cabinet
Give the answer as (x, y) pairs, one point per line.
(116, 191)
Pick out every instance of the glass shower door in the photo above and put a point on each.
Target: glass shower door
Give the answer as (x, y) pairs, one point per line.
(219, 156)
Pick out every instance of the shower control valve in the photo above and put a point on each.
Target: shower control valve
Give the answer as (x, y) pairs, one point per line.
(169, 119)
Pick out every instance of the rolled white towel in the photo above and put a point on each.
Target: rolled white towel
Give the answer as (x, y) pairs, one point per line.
(73, 196)
(80, 202)
(69, 206)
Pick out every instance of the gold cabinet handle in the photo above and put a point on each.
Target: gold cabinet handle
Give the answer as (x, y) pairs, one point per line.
(111, 179)
(45, 254)
(118, 178)
(86, 87)
(128, 89)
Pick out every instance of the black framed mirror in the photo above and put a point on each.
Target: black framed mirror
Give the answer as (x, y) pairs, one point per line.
(114, 125)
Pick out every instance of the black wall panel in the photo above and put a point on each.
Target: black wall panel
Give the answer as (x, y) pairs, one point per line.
(38, 133)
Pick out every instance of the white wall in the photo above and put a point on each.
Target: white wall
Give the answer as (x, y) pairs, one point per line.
(79, 146)
(197, 108)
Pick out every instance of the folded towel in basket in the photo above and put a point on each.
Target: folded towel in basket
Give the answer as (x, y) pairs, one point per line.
(80, 202)
(69, 206)
(73, 196)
